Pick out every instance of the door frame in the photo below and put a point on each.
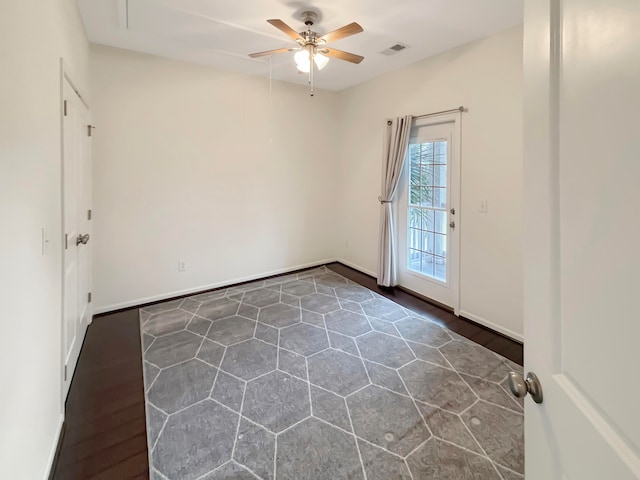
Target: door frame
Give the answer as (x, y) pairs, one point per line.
(66, 75)
(453, 201)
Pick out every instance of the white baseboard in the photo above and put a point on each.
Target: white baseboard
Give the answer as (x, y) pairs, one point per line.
(463, 313)
(54, 448)
(357, 267)
(493, 326)
(202, 288)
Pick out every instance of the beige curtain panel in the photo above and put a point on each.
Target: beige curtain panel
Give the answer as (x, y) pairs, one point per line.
(396, 142)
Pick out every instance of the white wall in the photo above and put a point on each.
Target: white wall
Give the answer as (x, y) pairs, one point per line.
(175, 142)
(33, 36)
(486, 77)
(202, 165)
(173, 145)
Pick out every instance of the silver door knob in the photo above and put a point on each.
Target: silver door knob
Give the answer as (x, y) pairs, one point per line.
(82, 239)
(520, 386)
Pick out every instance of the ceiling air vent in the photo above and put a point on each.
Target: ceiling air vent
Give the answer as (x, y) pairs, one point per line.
(393, 49)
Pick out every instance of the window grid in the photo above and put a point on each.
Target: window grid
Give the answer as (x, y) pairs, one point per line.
(428, 208)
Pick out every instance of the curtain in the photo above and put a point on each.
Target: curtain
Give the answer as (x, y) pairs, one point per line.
(397, 140)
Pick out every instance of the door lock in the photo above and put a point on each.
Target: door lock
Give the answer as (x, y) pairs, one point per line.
(520, 386)
(82, 239)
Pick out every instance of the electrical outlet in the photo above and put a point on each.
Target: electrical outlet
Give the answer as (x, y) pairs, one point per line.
(182, 266)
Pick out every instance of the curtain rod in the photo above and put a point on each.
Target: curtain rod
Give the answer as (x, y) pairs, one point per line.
(459, 109)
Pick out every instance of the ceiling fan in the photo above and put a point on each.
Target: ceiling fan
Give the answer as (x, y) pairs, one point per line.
(311, 49)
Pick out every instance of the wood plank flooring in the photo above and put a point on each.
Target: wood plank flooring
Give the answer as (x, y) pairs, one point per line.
(105, 436)
(488, 338)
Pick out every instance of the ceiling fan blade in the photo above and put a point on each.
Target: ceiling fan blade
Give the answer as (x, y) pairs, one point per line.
(286, 29)
(343, 32)
(349, 57)
(271, 52)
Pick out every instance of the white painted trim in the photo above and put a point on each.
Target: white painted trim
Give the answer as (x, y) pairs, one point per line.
(357, 267)
(482, 321)
(454, 195)
(54, 447)
(122, 14)
(601, 424)
(493, 326)
(68, 74)
(195, 290)
(66, 78)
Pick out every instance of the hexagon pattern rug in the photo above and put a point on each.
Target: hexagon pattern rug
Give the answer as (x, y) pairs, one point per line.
(310, 376)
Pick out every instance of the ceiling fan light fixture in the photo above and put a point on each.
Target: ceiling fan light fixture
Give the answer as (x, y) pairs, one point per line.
(303, 63)
(320, 60)
(302, 60)
(311, 46)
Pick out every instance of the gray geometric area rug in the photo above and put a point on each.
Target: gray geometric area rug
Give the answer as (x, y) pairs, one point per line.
(310, 376)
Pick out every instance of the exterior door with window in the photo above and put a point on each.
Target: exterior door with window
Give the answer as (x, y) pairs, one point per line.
(427, 210)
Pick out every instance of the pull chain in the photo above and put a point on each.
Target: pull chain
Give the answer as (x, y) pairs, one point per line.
(270, 100)
(311, 69)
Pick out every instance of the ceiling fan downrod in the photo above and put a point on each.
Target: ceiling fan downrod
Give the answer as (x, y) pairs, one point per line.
(309, 19)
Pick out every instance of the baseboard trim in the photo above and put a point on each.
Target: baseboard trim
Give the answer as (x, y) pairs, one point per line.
(462, 313)
(205, 288)
(433, 302)
(99, 311)
(492, 326)
(55, 450)
(399, 287)
(357, 267)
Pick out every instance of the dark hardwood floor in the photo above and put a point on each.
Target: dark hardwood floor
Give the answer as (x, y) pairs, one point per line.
(488, 338)
(104, 436)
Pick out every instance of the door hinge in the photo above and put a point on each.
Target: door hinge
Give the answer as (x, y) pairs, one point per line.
(89, 297)
(66, 241)
(89, 129)
(65, 108)
(65, 373)
(89, 213)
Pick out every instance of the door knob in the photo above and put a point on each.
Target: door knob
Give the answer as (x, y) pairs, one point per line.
(82, 239)
(452, 224)
(520, 386)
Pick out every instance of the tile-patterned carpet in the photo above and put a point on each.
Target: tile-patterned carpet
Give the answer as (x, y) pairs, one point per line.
(311, 376)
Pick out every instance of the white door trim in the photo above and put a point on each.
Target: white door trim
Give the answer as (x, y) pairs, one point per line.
(453, 198)
(65, 73)
(66, 77)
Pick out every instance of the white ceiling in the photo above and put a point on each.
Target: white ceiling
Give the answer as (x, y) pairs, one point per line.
(222, 33)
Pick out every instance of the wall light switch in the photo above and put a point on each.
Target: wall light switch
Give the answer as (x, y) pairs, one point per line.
(182, 266)
(484, 206)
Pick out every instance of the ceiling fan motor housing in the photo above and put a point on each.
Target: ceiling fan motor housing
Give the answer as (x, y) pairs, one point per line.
(309, 18)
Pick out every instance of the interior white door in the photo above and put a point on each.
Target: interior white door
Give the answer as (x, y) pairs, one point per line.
(582, 237)
(427, 210)
(76, 199)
